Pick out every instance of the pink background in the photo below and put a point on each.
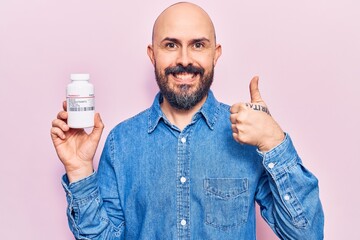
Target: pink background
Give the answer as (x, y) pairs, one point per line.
(307, 54)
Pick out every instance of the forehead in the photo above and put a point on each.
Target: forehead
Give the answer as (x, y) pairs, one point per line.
(183, 22)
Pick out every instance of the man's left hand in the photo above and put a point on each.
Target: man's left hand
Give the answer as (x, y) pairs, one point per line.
(252, 123)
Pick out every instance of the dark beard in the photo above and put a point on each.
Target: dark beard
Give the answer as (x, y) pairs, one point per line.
(183, 99)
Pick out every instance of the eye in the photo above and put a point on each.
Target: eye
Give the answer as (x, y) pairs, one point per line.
(170, 45)
(198, 45)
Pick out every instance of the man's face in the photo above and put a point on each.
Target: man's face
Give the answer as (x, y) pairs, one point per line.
(184, 54)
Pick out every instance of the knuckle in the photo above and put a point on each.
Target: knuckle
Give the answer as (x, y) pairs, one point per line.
(237, 138)
(234, 118)
(239, 128)
(243, 105)
(54, 122)
(235, 108)
(234, 129)
(241, 139)
(240, 118)
(62, 115)
(55, 132)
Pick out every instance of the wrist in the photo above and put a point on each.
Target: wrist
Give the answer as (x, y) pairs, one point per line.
(272, 142)
(78, 174)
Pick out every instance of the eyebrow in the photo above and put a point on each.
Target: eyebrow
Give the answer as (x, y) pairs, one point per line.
(171, 40)
(175, 40)
(200, 40)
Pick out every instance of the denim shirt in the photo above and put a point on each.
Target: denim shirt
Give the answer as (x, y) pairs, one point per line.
(157, 182)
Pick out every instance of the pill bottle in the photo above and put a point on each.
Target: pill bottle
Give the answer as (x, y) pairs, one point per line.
(80, 101)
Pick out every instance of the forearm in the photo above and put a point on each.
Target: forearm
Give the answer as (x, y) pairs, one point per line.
(289, 195)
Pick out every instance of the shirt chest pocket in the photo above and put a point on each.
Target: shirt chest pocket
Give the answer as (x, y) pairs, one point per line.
(227, 202)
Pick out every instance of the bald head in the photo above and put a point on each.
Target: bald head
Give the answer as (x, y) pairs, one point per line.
(183, 18)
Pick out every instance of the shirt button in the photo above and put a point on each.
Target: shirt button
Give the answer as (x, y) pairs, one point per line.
(183, 140)
(271, 165)
(183, 222)
(286, 197)
(183, 179)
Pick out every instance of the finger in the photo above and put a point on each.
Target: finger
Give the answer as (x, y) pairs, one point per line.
(62, 115)
(234, 128)
(254, 90)
(234, 108)
(236, 138)
(234, 118)
(98, 127)
(64, 105)
(237, 107)
(239, 128)
(240, 113)
(57, 133)
(239, 118)
(58, 123)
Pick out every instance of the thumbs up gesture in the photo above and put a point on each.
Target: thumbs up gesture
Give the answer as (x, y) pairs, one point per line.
(252, 124)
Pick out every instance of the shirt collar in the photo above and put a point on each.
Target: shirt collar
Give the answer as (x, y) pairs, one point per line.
(209, 111)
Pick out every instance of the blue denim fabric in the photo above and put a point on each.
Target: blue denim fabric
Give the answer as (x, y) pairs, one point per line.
(157, 182)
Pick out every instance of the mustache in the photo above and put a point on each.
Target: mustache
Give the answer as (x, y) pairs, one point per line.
(181, 69)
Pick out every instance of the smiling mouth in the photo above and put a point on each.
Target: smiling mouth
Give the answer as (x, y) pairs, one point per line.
(184, 76)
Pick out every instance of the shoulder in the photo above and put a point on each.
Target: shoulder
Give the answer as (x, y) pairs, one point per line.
(223, 107)
(217, 107)
(136, 123)
(223, 111)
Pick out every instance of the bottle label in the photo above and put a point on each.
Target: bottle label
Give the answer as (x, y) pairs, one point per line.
(80, 104)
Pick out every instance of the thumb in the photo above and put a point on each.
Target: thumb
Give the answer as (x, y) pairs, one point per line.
(98, 127)
(254, 90)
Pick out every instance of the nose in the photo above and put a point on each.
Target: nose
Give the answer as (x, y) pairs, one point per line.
(184, 57)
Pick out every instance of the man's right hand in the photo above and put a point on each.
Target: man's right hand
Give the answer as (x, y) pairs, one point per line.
(74, 147)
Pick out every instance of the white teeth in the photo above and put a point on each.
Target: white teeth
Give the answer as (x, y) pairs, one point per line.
(184, 76)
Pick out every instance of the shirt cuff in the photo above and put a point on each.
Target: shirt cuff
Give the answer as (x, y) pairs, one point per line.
(82, 188)
(280, 158)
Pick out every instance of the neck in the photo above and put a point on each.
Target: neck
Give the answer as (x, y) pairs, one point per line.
(180, 118)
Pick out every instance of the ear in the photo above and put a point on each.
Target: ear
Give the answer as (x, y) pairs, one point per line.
(218, 51)
(150, 52)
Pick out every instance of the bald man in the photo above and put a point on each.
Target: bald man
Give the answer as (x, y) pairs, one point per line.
(189, 167)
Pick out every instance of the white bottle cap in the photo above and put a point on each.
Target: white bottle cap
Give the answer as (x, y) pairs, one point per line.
(80, 76)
